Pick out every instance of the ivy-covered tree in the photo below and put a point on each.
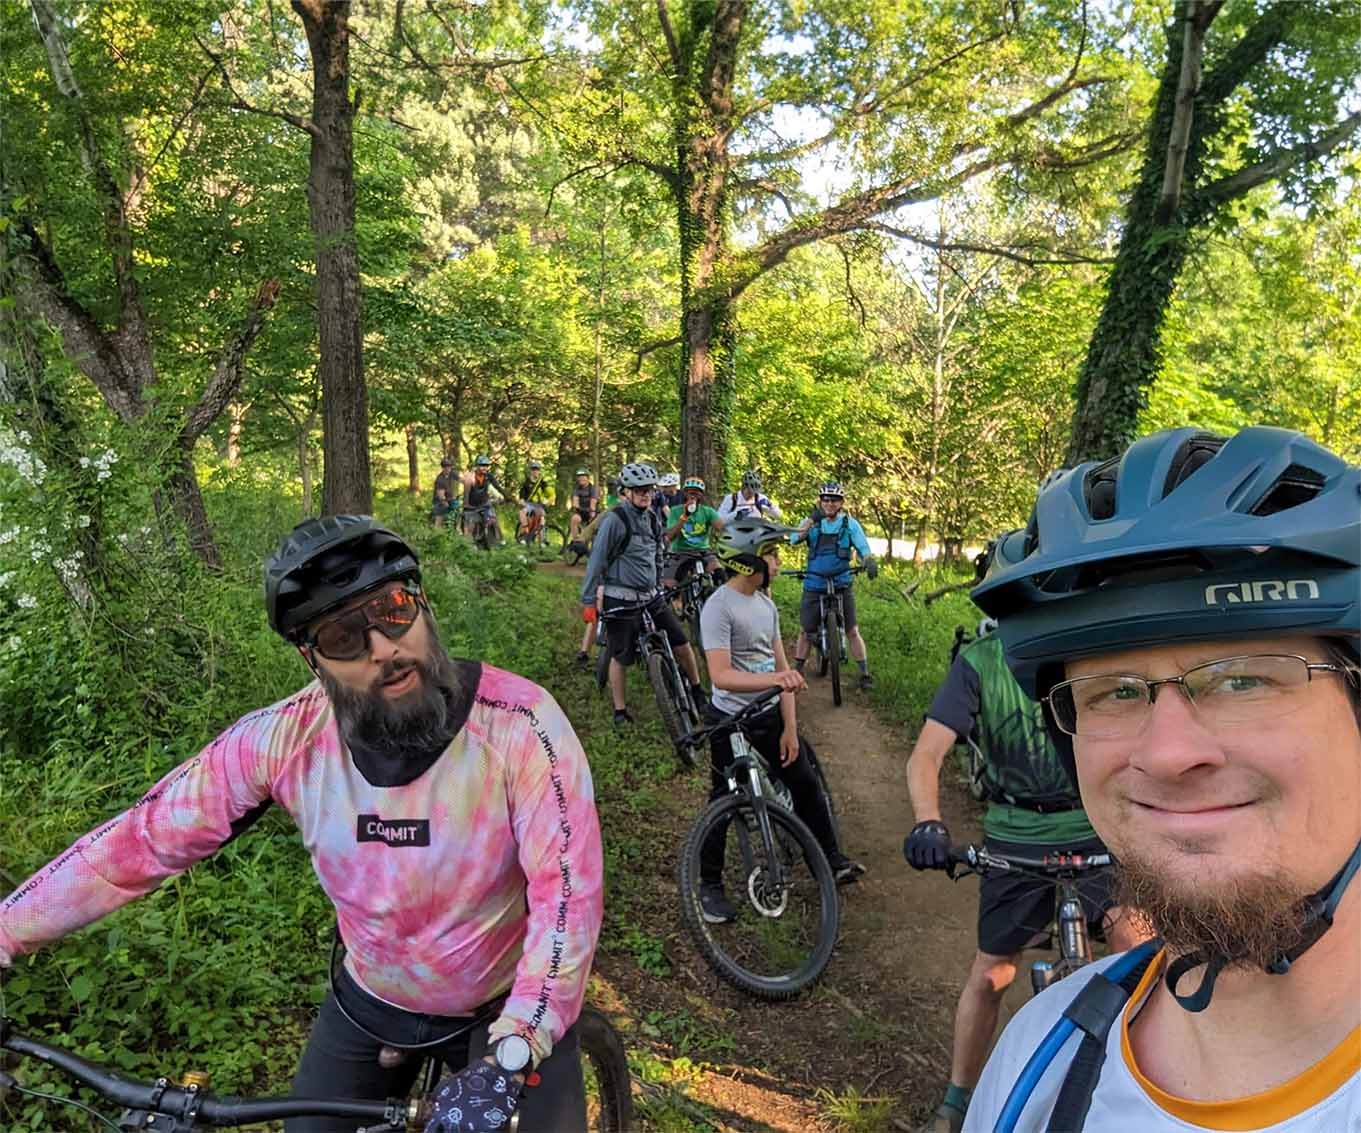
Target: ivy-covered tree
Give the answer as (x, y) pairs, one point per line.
(1249, 95)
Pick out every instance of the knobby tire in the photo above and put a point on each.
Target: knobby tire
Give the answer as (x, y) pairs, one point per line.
(666, 687)
(603, 1052)
(832, 658)
(738, 811)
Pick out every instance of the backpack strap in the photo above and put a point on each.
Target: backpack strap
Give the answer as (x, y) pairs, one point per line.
(1094, 1009)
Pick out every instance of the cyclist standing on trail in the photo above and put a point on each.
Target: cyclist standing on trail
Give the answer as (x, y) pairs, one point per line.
(1033, 810)
(691, 526)
(533, 494)
(745, 654)
(1189, 613)
(443, 501)
(748, 502)
(585, 502)
(831, 537)
(626, 560)
(448, 811)
(480, 497)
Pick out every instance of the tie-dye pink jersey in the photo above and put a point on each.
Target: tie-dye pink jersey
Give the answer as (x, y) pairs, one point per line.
(481, 875)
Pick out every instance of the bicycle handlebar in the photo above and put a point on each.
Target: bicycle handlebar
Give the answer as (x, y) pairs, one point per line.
(804, 572)
(735, 720)
(981, 859)
(190, 1104)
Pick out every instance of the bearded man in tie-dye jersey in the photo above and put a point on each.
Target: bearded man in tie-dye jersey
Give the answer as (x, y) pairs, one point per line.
(448, 811)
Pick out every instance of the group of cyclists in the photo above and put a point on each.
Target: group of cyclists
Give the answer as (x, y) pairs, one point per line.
(1174, 676)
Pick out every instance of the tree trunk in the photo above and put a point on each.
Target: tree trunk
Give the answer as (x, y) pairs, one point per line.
(305, 472)
(187, 500)
(236, 411)
(347, 485)
(413, 465)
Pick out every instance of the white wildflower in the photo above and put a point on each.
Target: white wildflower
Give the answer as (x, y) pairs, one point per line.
(27, 602)
(82, 521)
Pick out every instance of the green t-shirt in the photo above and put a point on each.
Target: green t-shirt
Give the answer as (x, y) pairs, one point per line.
(981, 696)
(694, 535)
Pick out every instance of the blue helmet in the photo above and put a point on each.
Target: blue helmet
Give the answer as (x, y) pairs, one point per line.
(1185, 537)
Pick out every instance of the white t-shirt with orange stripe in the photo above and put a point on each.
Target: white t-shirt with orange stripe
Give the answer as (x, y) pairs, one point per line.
(1326, 1097)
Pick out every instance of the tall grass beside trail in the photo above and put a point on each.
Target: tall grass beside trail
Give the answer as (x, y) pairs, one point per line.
(221, 968)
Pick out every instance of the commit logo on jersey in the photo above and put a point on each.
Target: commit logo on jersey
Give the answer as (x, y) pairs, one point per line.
(1273, 591)
(395, 832)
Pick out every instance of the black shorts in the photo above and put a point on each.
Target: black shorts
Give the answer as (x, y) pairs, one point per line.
(622, 631)
(584, 514)
(680, 564)
(810, 606)
(1016, 912)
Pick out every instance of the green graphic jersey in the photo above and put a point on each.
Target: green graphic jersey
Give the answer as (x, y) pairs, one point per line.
(694, 534)
(981, 696)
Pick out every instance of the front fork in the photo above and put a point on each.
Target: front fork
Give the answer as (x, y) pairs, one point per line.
(754, 789)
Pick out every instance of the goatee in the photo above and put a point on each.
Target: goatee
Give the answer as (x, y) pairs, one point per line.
(409, 726)
(1242, 922)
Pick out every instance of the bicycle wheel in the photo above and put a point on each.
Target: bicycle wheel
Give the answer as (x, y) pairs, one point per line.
(832, 658)
(696, 639)
(553, 537)
(673, 704)
(602, 663)
(605, 1067)
(783, 936)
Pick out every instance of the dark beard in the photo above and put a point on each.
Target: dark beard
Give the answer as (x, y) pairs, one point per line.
(1243, 923)
(419, 723)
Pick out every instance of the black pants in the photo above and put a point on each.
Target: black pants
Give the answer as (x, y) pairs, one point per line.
(810, 801)
(342, 1062)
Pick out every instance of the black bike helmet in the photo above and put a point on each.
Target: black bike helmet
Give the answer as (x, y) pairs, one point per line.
(326, 562)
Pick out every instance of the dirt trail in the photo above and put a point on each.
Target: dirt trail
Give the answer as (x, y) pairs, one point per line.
(881, 1019)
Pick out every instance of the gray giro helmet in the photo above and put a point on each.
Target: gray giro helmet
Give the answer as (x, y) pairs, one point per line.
(325, 562)
(751, 481)
(638, 476)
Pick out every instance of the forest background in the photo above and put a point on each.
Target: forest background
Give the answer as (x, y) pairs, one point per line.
(260, 260)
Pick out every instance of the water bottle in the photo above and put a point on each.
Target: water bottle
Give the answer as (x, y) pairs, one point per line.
(1073, 930)
(1041, 975)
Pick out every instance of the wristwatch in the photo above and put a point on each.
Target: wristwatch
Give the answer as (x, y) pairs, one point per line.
(513, 1054)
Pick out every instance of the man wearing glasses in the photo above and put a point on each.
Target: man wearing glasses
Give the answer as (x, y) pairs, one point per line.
(448, 811)
(626, 561)
(1190, 613)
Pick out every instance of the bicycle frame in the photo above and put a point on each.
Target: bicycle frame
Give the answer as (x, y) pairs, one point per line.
(1074, 948)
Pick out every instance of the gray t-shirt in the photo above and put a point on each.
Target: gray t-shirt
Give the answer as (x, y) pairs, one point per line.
(748, 629)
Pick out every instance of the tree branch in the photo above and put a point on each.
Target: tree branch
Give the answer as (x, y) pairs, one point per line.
(226, 379)
(672, 47)
(660, 344)
(236, 102)
(1274, 164)
(1063, 90)
(83, 341)
(1197, 15)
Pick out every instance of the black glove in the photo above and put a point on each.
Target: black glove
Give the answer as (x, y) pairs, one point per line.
(927, 846)
(478, 1099)
(871, 568)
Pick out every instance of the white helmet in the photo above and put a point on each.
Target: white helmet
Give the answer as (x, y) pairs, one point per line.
(669, 480)
(638, 476)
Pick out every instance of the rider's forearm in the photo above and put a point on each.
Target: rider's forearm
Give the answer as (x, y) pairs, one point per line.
(735, 680)
(552, 811)
(923, 769)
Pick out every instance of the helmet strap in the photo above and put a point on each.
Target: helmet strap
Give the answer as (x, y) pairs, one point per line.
(1318, 913)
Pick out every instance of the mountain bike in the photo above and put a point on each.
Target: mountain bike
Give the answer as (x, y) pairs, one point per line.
(538, 532)
(778, 878)
(678, 712)
(1069, 928)
(186, 1105)
(482, 527)
(689, 597)
(830, 641)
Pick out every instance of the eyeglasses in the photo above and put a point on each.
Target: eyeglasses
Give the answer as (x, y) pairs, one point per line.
(1228, 692)
(345, 637)
(643, 491)
(830, 499)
